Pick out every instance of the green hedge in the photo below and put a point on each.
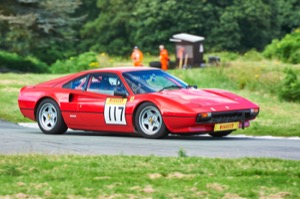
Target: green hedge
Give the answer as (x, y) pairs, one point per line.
(290, 88)
(75, 64)
(84, 61)
(12, 62)
(287, 49)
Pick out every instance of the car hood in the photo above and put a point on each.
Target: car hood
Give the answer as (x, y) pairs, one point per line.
(208, 99)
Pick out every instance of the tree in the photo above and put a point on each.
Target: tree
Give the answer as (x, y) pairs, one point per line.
(234, 25)
(290, 15)
(246, 25)
(47, 28)
(109, 32)
(43, 28)
(154, 22)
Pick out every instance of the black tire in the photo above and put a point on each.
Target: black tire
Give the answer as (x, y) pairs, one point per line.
(155, 64)
(49, 118)
(172, 65)
(220, 134)
(149, 122)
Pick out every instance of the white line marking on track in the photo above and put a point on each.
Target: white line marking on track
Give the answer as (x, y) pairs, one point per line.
(29, 125)
(35, 126)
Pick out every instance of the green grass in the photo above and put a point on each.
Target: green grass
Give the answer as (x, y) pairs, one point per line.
(38, 176)
(249, 76)
(10, 85)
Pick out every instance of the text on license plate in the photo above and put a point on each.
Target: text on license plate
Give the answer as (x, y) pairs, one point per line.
(226, 126)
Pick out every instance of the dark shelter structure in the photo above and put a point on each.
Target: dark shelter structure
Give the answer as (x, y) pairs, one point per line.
(189, 50)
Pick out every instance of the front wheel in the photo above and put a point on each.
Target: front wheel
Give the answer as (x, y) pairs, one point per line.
(149, 122)
(220, 134)
(49, 118)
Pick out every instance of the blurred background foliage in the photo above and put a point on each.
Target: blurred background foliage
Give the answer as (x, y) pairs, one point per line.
(287, 49)
(53, 29)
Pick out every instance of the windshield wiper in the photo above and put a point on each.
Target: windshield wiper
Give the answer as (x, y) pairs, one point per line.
(169, 87)
(191, 86)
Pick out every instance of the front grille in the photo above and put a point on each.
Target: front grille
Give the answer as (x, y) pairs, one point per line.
(231, 116)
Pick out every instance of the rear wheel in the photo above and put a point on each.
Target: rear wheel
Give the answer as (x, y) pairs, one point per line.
(149, 122)
(220, 134)
(49, 118)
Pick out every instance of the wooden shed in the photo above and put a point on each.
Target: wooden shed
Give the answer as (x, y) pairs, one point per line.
(189, 49)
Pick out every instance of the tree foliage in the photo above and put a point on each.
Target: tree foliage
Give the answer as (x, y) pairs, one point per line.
(75, 64)
(41, 28)
(234, 25)
(290, 88)
(51, 29)
(287, 49)
(109, 32)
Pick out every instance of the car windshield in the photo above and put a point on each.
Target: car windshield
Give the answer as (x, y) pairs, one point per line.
(149, 81)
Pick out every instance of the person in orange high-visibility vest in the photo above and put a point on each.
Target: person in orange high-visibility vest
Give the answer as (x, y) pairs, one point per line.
(137, 57)
(163, 57)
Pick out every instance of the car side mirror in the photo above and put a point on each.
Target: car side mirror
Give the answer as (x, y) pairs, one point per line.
(120, 93)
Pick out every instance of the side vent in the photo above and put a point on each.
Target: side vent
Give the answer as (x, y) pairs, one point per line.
(71, 97)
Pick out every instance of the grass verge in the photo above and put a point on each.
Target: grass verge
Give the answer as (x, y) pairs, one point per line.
(10, 85)
(39, 176)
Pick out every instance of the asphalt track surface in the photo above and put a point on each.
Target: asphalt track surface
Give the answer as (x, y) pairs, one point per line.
(16, 139)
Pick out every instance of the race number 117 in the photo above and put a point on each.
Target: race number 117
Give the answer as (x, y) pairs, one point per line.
(114, 113)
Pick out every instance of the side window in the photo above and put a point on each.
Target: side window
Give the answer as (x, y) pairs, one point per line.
(105, 84)
(76, 84)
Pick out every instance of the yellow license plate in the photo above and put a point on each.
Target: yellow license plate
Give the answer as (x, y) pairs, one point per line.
(226, 126)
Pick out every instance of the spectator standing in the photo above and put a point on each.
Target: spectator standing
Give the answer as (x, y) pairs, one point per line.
(137, 57)
(163, 57)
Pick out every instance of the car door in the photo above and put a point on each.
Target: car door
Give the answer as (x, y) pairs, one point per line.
(69, 106)
(97, 107)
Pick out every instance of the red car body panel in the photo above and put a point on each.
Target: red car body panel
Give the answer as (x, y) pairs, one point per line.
(85, 110)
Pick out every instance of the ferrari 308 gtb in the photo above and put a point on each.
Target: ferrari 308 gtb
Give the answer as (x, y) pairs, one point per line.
(146, 101)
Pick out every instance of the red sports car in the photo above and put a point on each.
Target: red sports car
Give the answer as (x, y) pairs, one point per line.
(146, 101)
